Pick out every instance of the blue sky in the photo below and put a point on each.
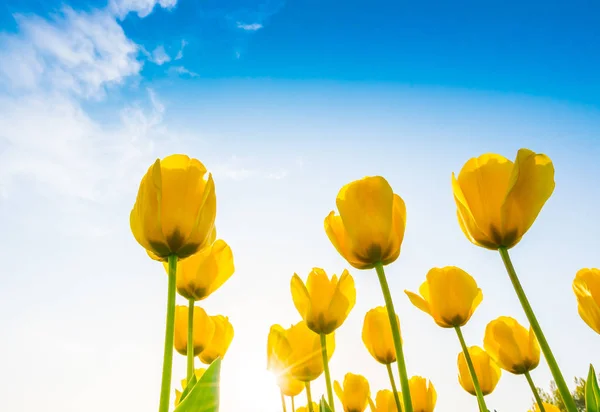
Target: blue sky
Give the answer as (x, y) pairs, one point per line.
(284, 102)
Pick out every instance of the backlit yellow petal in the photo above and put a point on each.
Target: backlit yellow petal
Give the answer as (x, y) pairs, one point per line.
(487, 371)
(514, 348)
(423, 394)
(203, 329)
(587, 290)
(355, 393)
(219, 344)
(377, 335)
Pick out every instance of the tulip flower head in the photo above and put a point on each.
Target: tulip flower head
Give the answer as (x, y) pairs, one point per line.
(587, 289)
(278, 362)
(423, 394)
(514, 348)
(198, 372)
(450, 295)
(487, 371)
(497, 200)
(201, 274)
(377, 335)
(324, 303)
(218, 345)
(315, 408)
(204, 329)
(175, 209)
(370, 227)
(355, 393)
(384, 402)
(548, 407)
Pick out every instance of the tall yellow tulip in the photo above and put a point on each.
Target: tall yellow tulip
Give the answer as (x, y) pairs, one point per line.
(384, 402)
(587, 290)
(497, 200)
(514, 348)
(198, 372)
(450, 295)
(218, 345)
(323, 303)
(204, 329)
(487, 371)
(175, 209)
(377, 335)
(314, 407)
(355, 393)
(370, 227)
(423, 394)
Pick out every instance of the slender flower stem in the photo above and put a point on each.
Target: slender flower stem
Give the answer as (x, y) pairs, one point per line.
(190, 340)
(536, 394)
(394, 389)
(293, 406)
(309, 398)
(165, 388)
(326, 369)
(397, 341)
(283, 401)
(563, 389)
(480, 400)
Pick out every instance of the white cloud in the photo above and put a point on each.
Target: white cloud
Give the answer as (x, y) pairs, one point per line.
(159, 56)
(249, 27)
(237, 168)
(121, 8)
(182, 71)
(180, 52)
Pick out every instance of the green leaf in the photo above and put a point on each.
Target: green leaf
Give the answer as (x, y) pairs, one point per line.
(592, 392)
(323, 407)
(204, 395)
(188, 387)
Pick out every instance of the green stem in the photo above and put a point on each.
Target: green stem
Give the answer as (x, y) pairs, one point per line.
(394, 389)
(283, 401)
(563, 389)
(165, 388)
(536, 394)
(309, 397)
(480, 400)
(397, 341)
(190, 341)
(326, 369)
(293, 406)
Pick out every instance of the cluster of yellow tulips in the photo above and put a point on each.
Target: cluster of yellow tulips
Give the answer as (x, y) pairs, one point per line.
(497, 201)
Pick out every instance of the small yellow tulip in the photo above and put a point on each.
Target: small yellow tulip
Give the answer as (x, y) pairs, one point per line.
(548, 407)
(450, 295)
(377, 335)
(175, 209)
(497, 200)
(487, 371)
(198, 372)
(370, 227)
(204, 328)
(587, 289)
(355, 393)
(315, 408)
(277, 362)
(201, 274)
(384, 402)
(324, 304)
(289, 386)
(422, 393)
(514, 348)
(218, 345)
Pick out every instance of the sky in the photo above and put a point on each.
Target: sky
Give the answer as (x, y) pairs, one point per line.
(284, 102)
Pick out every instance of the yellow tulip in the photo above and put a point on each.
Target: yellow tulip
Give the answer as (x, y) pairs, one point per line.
(204, 328)
(450, 295)
(514, 348)
(370, 227)
(298, 349)
(548, 407)
(174, 212)
(201, 274)
(422, 393)
(324, 304)
(289, 386)
(587, 289)
(198, 372)
(278, 362)
(377, 335)
(218, 345)
(497, 200)
(384, 402)
(355, 393)
(315, 408)
(487, 371)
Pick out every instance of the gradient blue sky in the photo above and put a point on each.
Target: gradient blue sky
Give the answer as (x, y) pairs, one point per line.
(284, 102)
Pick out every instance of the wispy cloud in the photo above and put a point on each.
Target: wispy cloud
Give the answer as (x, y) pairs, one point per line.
(159, 56)
(240, 168)
(182, 71)
(121, 8)
(180, 52)
(249, 27)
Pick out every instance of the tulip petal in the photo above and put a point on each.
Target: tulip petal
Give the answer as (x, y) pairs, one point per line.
(418, 301)
(300, 296)
(336, 232)
(338, 391)
(344, 298)
(587, 306)
(397, 233)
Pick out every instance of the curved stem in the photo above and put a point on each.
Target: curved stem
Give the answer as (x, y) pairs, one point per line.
(293, 406)
(326, 369)
(396, 334)
(309, 397)
(394, 389)
(563, 389)
(190, 341)
(165, 387)
(465, 349)
(283, 401)
(536, 394)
